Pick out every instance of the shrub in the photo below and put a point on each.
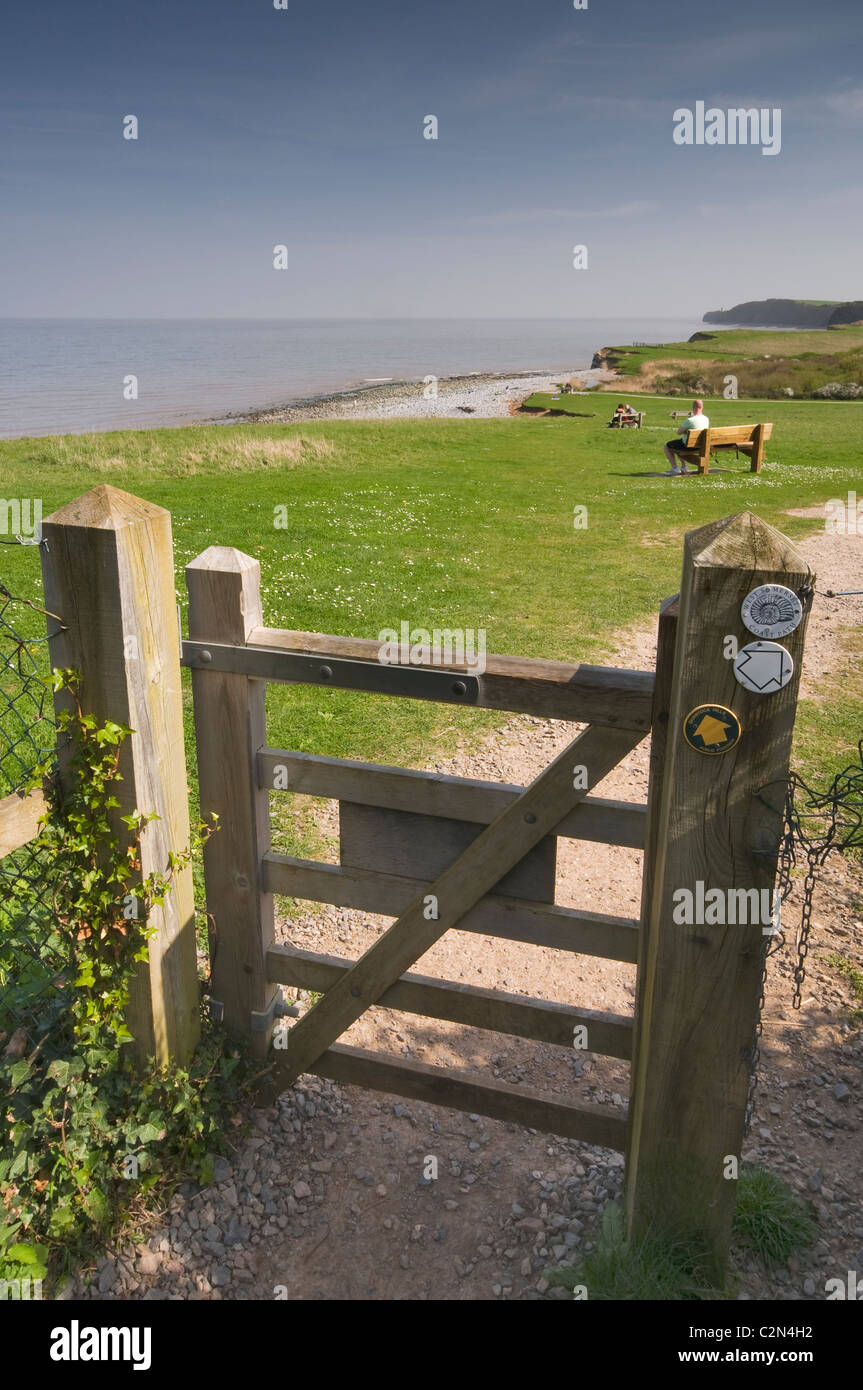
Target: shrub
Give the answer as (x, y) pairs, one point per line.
(83, 1130)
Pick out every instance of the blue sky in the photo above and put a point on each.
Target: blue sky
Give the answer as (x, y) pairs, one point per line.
(305, 127)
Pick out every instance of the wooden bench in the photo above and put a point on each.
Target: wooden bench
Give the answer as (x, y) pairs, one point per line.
(630, 422)
(745, 439)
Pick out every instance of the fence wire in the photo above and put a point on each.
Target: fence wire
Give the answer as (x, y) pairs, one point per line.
(33, 954)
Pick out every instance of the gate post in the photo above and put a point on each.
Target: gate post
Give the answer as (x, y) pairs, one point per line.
(108, 570)
(230, 728)
(699, 982)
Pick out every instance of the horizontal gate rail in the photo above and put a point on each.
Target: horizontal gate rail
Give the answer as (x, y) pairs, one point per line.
(512, 919)
(590, 1122)
(271, 664)
(606, 695)
(434, 794)
(457, 1002)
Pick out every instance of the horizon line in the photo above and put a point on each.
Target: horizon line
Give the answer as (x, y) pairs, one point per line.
(334, 318)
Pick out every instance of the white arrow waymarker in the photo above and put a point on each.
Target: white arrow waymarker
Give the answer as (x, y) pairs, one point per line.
(763, 667)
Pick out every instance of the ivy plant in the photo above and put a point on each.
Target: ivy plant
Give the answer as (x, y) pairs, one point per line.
(85, 1133)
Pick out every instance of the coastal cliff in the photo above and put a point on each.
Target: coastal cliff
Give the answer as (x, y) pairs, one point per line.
(789, 313)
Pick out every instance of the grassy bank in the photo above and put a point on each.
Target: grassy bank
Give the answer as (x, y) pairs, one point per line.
(443, 523)
(766, 363)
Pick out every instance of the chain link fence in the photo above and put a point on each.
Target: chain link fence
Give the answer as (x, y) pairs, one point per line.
(33, 954)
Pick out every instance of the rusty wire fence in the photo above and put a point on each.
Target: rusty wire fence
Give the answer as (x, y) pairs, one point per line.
(34, 957)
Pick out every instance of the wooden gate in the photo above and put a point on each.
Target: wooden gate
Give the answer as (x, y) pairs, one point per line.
(434, 852)
(439, 852)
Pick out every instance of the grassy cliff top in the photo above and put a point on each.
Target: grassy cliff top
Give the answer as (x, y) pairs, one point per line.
(766, 362)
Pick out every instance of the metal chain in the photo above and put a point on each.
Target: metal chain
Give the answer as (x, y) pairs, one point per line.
(841, 809)
(804, 929)
(755, 1050)
(772, 943)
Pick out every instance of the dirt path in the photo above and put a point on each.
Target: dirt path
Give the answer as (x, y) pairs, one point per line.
(328, 1198)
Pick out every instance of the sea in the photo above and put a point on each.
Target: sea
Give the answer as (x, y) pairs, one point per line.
(77, 376)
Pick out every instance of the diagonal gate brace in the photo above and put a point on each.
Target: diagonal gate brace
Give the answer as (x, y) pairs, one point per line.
(460, 887)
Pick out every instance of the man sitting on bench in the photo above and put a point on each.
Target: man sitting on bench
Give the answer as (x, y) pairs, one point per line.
(696, 421)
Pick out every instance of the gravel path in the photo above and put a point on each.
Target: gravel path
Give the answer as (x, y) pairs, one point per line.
(326, 1194)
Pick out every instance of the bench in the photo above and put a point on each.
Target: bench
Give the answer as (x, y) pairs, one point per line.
(745, 439)
(633, 421)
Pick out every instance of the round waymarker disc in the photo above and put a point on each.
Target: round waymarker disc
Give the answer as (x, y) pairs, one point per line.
(712, 729)
(763, 667)
(771, 610)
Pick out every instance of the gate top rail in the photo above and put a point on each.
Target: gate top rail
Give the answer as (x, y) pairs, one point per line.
(269, 663)
(523, 685)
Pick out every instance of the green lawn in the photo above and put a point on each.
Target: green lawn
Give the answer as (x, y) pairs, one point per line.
(447, 524)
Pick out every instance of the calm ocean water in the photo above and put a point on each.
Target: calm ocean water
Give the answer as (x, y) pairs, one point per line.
(62, 376)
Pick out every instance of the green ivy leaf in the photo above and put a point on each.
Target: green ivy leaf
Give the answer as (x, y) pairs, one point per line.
(149, 1133)
(18, 1073)
(31, 1256)
(19, 1163)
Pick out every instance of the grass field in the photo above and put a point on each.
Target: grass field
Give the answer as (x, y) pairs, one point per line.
(447, 524)
(766, 363)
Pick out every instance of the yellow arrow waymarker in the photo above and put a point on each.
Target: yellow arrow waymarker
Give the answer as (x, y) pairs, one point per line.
(712, 729)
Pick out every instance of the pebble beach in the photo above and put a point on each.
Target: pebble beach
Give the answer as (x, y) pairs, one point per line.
(485, 395)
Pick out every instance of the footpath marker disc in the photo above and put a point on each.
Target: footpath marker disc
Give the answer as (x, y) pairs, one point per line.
(763, 667)
(712, 729)
(771, 610)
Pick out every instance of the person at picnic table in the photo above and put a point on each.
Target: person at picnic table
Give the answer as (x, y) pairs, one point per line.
(696, 421)
(622, 414)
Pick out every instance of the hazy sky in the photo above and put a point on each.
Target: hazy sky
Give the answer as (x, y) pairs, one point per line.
(305, 127)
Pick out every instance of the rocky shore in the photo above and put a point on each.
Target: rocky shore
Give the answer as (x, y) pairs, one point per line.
(486, 395)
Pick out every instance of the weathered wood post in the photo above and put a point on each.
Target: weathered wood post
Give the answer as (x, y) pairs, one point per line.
(230, 727)
(663, 689)
(699, 981)
(108, 570)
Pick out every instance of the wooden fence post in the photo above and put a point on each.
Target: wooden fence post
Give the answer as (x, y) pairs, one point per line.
(663, 687)
(697, 1003)
(230, 727)
(108, 570)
